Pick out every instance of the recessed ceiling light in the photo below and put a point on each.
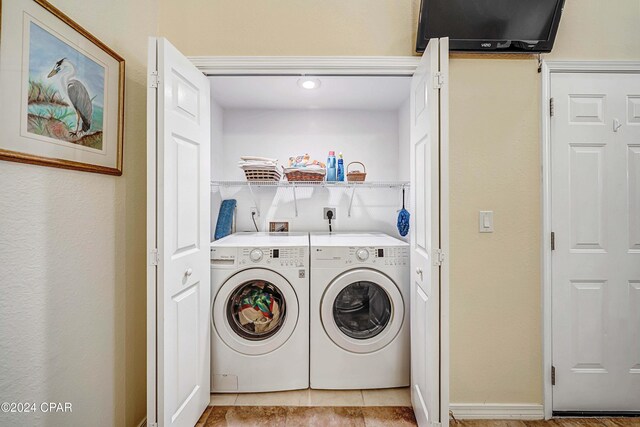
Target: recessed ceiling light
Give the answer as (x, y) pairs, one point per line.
(308, 83)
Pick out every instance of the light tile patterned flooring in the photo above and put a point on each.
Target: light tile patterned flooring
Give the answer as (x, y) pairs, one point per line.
(361, 408)
(286, 416)
(556, 422)
(367, 416)
(383, 397)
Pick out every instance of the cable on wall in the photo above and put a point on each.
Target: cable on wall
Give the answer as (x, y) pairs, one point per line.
(253, 218)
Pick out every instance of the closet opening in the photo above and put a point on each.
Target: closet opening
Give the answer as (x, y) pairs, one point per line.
(301, 119)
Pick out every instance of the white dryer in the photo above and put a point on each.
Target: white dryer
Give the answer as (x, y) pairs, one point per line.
(260, 312)
(359, 311)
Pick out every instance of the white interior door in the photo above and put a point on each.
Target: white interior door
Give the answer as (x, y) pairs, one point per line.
(179, 285)
(426, 253)
(595, 217)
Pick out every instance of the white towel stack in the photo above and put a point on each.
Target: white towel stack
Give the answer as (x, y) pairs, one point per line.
(262, 163)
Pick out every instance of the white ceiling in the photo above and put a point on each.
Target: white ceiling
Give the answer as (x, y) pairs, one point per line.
(283, 92)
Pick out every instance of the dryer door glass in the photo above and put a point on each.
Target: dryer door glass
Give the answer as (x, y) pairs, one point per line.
(362, 310)
(256, 310)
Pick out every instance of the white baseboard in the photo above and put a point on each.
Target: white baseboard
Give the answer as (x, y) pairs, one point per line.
(143, 423)
(497, 411)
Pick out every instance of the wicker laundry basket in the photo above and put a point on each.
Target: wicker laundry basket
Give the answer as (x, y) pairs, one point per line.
(262, 175)
(356, 175)
(304, 176)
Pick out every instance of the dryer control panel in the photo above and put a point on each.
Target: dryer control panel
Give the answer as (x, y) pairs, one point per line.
(290, 256)
(328, 257)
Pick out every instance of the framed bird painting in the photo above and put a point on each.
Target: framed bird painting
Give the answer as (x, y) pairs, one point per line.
(61, 91)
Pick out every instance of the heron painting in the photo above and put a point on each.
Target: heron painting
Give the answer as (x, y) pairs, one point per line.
(66, 91)
(76, 92)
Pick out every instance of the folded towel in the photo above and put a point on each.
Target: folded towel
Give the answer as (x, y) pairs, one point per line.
(259, 159)
(310, 170)
(266, 164)
(226, 215)
(258, 163)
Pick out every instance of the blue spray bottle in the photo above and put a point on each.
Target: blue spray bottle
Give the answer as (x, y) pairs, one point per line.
(340, 168)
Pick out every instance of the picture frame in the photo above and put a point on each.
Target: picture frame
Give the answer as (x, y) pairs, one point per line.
(278, 227)
(61, 91)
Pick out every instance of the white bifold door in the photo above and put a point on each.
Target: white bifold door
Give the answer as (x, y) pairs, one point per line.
(595, 218)
(178, 238)
(428, 234)
(178, 232)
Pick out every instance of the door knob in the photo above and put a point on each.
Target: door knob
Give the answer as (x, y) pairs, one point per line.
(188, 272)
(419, 271)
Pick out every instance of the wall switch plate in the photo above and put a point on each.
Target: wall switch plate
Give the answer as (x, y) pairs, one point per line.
(485, 222)
(333, 210)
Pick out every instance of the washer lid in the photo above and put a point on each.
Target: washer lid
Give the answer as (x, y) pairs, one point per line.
(362, 310)
(255, 311)
(252, 240)
(354, 239)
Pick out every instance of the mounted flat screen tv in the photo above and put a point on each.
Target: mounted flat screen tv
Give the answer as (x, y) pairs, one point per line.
(510, 26)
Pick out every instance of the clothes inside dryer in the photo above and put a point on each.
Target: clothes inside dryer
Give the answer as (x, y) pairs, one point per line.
(362, 310)
(256, 310)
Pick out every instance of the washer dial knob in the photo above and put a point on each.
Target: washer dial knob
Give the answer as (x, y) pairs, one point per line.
(256, 255)
(362, 254)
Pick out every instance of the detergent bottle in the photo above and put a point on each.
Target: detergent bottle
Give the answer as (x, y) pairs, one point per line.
(331, 166)
(340, 167)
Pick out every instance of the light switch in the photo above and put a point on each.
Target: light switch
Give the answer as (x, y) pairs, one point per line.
(486, 222)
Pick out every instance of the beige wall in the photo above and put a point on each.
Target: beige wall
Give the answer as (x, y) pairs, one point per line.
(290, 27)
(601, 30)
(495, 155)
(72, 259)
(496, 333)
(495, 278)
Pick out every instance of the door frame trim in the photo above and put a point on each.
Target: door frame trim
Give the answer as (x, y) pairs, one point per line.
(152, 244)
(404, 66)
(301, 65)
(549, 68)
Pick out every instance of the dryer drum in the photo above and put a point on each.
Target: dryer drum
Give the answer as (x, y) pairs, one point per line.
(362, 310)
(256, 310)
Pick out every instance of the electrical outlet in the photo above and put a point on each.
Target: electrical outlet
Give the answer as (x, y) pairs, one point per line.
(254, 211)
(332, 210)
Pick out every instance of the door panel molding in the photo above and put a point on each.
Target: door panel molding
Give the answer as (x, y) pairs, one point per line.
(549, 68)
(178, 274)
(429, 238)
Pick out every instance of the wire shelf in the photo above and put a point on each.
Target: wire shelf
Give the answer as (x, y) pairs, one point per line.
(312, 184)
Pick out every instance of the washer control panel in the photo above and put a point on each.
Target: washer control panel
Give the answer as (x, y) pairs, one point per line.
(360, 255)
(275, 257)
(293, 257)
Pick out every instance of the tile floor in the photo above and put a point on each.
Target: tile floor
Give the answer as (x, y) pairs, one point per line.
(336, 398)
(286, 416)
(557, 422)
(357, 408)
(368, 416)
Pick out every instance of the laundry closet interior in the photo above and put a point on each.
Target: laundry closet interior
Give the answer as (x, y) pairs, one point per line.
(366, 118)
(339, 303)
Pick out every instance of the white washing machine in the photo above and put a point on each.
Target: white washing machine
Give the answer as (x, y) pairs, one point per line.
(260, 312)
(359, 311)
